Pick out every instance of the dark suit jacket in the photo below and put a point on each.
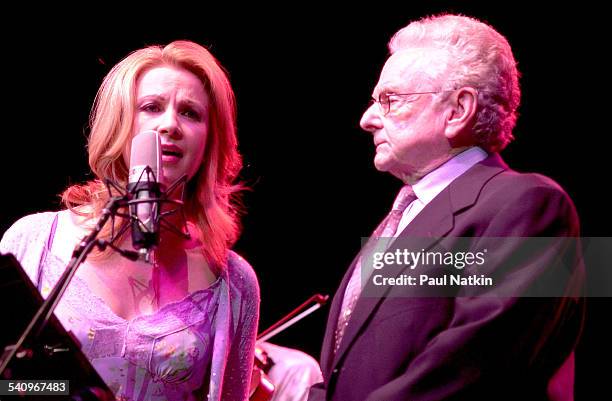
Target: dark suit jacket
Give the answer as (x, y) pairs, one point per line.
(400, 348)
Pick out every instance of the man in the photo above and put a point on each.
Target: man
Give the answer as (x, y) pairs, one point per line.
(443, 108)
(292, 372)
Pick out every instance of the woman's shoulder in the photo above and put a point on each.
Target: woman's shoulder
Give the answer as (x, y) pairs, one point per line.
(29, 228)
(241, 275)
(26, 240)
(33, 221)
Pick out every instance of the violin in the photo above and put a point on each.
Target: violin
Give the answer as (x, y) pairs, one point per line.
(262, 388)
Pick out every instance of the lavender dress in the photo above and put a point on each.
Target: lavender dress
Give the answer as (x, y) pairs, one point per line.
(198, 348)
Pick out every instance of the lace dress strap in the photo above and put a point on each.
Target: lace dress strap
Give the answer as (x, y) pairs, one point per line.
(45, 251)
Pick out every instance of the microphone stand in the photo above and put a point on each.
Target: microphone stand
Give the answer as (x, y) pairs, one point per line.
(23, 348)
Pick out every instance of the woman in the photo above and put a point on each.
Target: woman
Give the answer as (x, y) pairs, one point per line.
(184, 327)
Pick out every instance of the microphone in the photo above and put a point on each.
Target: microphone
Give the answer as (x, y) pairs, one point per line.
(146, 189)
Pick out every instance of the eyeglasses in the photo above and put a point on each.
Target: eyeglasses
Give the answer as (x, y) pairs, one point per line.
(386, 100)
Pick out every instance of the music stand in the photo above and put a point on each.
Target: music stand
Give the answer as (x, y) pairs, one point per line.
(56, 354)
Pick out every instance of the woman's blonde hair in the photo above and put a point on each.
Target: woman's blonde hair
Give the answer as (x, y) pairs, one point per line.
(211, 196)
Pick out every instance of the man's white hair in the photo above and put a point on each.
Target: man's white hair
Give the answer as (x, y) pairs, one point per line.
(479, 57)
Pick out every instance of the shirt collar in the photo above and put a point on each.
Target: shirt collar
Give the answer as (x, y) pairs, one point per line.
(435, 181)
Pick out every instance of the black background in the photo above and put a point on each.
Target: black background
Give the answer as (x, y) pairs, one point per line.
(302, 77)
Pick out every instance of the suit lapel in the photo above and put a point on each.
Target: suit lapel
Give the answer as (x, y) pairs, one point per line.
(327, 350)
(436, 220)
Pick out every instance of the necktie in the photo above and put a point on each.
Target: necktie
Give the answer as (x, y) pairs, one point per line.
(386, 228)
